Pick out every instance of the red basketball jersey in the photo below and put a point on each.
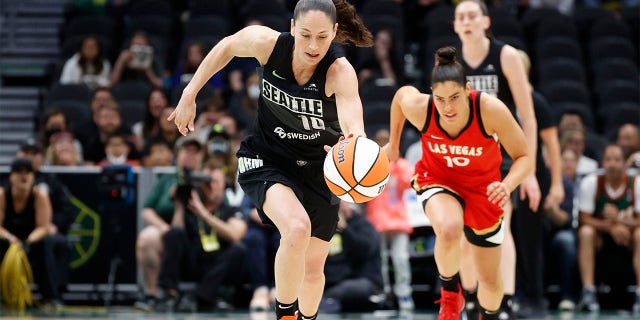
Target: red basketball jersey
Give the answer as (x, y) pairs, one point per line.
(470, 160)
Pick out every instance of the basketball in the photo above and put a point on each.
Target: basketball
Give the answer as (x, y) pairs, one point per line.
(356, 169)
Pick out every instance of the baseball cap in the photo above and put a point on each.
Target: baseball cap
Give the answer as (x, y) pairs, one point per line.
(21, 164)
(186, 141)
(30, 146)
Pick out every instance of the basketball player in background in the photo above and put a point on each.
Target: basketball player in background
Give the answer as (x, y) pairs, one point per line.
(309, 94)
(497, 69)
(458, 177)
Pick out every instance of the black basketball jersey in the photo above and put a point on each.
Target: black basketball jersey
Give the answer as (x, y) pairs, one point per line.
(294, 121)
(20, 224)
(488, 76)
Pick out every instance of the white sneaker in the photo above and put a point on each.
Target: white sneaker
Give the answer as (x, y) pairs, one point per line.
(260, 300)
(566, 305)
(406, 303)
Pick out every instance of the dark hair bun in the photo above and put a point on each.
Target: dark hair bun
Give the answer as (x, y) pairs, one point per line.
(445, 55)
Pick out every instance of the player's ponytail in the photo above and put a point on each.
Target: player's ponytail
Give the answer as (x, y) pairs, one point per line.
(350, 25)
(447, 67)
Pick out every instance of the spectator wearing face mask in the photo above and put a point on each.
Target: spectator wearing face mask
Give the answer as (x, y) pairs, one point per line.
(117, 152)
(243, 105)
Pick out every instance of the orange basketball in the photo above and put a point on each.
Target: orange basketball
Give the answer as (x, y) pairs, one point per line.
(356, 169)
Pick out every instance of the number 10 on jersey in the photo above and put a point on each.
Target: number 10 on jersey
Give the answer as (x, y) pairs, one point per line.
(310, 123)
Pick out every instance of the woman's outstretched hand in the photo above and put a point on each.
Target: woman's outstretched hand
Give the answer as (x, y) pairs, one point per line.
(184, 114)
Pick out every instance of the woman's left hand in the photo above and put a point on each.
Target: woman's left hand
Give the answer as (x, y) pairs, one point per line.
(498, 193)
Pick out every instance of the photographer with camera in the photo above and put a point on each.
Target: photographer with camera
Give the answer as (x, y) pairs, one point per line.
(203, 243)
(158, 214)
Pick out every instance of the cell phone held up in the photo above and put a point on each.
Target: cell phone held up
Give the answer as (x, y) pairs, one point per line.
(142, 57)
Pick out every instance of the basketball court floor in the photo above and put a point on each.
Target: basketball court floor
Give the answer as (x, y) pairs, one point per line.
(76, 313)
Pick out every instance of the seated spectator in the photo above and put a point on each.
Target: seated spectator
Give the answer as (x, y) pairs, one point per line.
(574, 139)
(594, 142)
(100, 96)
(352, 271)
(62, 210)
(25, 217)
(187, 68)
(214, 110)
(383, 63)
(157, 153)
(560, 236)
(61, 151)
(629, 139)
(138, 63)
(117, 151)
(88, 66)
(388, 214)
(609, 218)
(219, 152)
(149, 126)
(203, 244)
(167, 130)
(157, 213)
(243, 105)
(55, 121)
(108, 121)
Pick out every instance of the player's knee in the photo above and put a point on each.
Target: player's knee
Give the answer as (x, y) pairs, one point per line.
(297, 229)
(313, 273)
(586, 232)
(490, 280)
(449, 230)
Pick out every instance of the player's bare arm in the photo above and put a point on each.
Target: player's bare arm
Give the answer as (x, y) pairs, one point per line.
(343, 82)
(498, 120)
(252, 41)
(407, 104)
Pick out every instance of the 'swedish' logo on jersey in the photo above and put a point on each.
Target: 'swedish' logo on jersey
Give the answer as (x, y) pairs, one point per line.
(311, 87)
(295, 135)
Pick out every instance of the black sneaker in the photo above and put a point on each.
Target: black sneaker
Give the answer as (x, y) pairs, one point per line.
(167, 304)
(506, 310)
(187, 304)
(147, 303)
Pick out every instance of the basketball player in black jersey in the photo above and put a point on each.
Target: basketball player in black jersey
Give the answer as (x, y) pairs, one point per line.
(309, 96)
(497, 69)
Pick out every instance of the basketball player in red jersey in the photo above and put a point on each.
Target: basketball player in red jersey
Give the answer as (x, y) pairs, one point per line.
(458, 177)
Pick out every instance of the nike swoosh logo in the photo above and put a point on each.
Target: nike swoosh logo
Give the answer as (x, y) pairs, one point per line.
(437, 138)
(276, 75)
(281, 306)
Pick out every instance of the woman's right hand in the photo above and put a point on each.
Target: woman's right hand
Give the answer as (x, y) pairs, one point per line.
(12, 239)
(184, 114)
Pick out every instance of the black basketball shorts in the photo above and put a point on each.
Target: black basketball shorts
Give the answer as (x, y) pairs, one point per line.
(256, 175)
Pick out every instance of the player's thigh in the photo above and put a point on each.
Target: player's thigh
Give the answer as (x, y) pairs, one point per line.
(444, 210)
(487, 262)
(284, 208)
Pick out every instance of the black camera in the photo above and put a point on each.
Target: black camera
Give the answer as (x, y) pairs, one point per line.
(187, 182)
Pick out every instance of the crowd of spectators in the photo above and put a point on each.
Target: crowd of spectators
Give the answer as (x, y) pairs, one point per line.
(122, 70)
